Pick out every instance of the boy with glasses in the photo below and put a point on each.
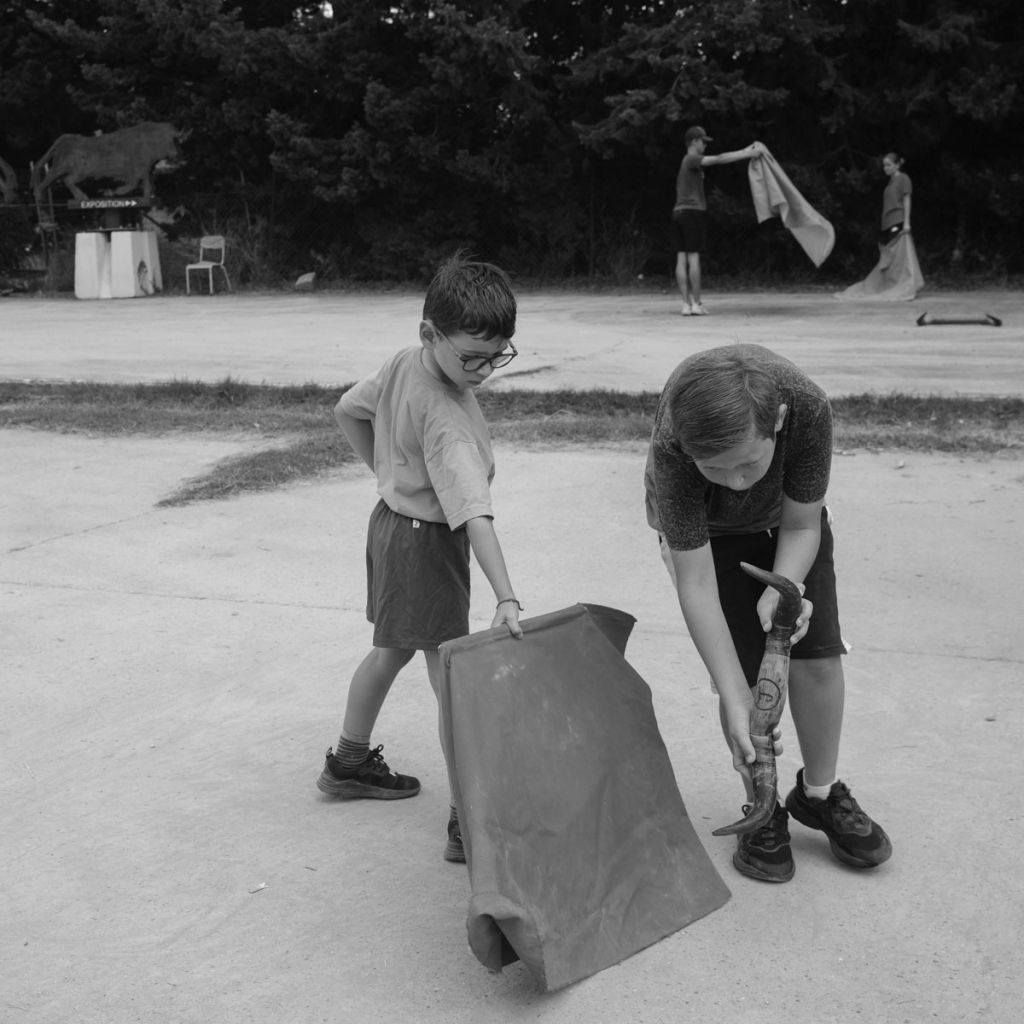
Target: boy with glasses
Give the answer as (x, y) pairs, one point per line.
(416, 423)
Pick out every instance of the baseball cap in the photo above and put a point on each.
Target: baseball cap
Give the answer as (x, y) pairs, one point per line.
(696, 133)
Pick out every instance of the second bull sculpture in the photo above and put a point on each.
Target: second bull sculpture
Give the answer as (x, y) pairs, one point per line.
(8, 183)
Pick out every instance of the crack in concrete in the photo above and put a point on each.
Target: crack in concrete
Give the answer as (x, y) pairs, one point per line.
(77, 533)
(181, 597)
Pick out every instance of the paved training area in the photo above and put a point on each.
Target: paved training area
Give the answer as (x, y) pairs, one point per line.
(172, 678)
(629, 342)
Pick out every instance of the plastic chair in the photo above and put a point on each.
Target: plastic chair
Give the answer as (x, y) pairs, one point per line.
(210, 246)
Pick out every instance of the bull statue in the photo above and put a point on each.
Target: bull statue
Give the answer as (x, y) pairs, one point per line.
(128, 156)
(8, 183)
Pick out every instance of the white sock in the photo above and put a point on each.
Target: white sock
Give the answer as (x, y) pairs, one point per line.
(817, 792)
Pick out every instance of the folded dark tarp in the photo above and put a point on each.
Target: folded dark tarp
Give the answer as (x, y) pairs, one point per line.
(579, 847)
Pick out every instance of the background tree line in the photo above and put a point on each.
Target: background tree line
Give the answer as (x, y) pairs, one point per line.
(366, 138)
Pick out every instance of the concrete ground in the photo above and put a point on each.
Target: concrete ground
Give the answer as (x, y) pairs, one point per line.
(628, 342)
(172, 677)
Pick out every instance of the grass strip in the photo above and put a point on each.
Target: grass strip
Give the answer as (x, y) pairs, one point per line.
(303, 441)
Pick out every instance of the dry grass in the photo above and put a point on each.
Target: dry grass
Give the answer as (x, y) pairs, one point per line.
(303, 442)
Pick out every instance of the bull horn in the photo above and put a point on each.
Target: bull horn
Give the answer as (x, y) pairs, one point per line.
(788, 609)
(765, 779)
(769, 700)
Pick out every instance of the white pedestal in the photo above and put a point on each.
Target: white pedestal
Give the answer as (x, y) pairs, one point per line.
(116, 264)
(134, 264)
(92, 265)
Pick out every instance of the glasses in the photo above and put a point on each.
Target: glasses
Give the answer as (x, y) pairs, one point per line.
(473, 364)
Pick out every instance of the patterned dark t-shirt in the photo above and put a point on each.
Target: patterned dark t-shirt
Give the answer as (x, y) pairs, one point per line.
(688, 508)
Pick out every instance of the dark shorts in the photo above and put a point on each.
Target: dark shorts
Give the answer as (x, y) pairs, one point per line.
(890, 234)
(417, 581)
(689, 230)
(739, 594)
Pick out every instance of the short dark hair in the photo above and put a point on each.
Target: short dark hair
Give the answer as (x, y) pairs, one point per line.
(473, 297)
(721, 401)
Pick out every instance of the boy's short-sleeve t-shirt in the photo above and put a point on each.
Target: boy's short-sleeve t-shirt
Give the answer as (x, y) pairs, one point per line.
(690, 184)
(432, 449)
(688, 509)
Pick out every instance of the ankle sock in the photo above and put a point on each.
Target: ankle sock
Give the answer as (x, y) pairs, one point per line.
(351, 753)
(818, 792)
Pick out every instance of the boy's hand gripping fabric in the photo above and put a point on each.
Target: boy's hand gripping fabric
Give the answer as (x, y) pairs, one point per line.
(769, 700)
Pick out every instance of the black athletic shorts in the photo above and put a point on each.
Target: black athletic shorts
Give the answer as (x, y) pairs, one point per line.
(890, 234)
(739, 594)
(689, 230)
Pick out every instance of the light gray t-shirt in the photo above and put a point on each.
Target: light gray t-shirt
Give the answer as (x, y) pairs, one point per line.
(432, 450)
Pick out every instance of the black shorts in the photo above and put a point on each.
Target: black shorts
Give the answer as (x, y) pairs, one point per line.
(689, 230)
(890, 234)
(417, 581)
(739, 594)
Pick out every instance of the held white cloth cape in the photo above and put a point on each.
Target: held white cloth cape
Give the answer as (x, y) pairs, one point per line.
(775, 195)
(896, 276)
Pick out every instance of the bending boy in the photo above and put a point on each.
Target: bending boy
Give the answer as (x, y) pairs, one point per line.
(416, 423)
(737, 470)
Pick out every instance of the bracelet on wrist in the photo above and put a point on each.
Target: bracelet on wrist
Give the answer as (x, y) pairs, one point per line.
(509, 600)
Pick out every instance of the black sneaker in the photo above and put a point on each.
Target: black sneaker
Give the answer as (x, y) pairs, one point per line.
(372, 778)
(454, 851)
(855, 839)
(765, 854)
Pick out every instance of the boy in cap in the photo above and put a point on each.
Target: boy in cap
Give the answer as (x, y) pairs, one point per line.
(416, 423)
(737, 471)
(689, 215)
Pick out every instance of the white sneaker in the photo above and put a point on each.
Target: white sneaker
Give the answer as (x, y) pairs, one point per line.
(697, 309)
(687, 309)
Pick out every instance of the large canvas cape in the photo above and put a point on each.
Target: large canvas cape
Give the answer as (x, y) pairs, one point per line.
(896, 276)
(579, 847)
(774, 195)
